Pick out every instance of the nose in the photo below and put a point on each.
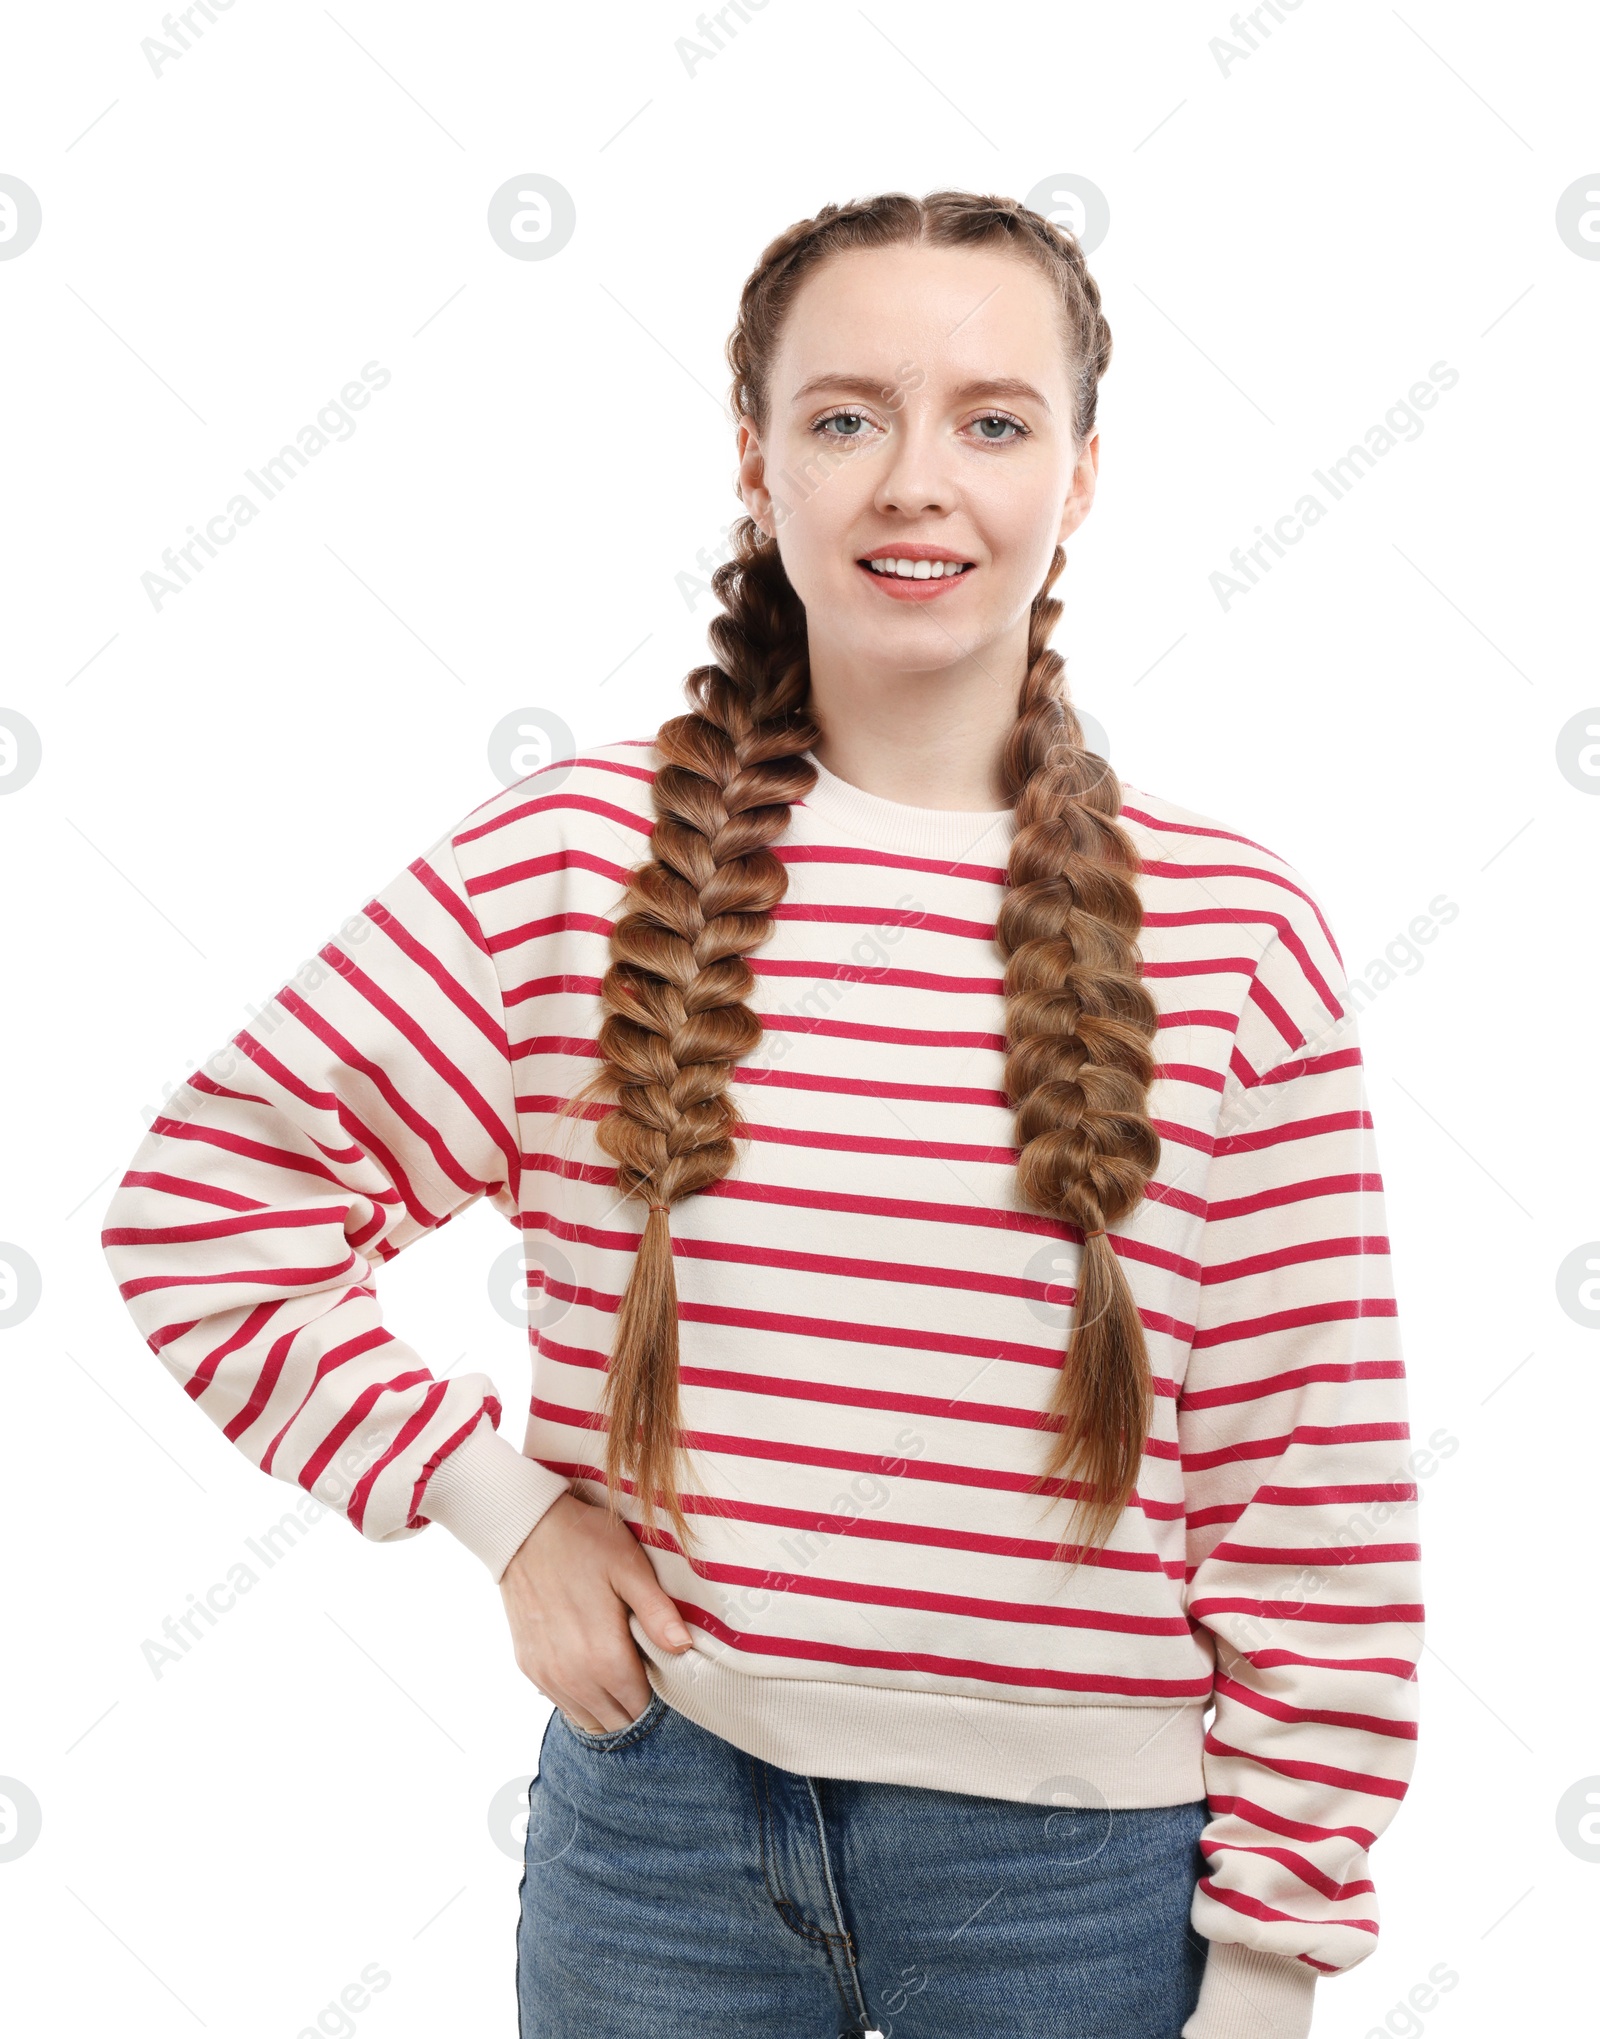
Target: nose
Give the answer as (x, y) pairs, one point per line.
(917, 476)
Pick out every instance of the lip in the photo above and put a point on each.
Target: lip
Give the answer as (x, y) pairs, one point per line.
(892, 551)
(898, 590)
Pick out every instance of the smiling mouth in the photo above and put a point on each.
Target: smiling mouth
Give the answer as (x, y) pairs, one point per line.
(917, 569)
(916, 580)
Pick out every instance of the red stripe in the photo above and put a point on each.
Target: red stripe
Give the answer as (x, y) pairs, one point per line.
(261, 1394)
(259, 1220)
(1325, 1614)
(817, 971)
(967, 1607)
(774, 1450)
(542, 930)
(1305, 1872)
(1298, 1255)
(924, 1663)
(1293, 1193)
(905, 1336)
(571, 802)
(1294, 1320)
(885, 860)
(1315, 1773)
(1396, 1492)
(1333, 1554)
(864, 1143)
(1277, 1709)
(1341, 1371)
(184, 1186)
(246, 1334)
(809, 913)
(1250, 1813)
(1253, 1908)
(820, 1085)
(1297, 1067)
(567, 858)
(1380, 1667)
(1275, 1012)
(262, 1277)
(249, 1150)
(1298, 1129)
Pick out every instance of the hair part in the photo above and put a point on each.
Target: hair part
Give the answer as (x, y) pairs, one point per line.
(1080, 1022)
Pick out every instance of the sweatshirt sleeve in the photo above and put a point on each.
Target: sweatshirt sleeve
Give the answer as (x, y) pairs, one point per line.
(363, 1107)
(1303, 1559)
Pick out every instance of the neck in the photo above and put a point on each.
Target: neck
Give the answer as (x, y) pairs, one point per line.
(927, 739)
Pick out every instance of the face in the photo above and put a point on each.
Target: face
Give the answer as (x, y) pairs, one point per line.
(920, 411)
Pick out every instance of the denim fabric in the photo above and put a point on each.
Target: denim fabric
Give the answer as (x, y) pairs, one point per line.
(673, 1885)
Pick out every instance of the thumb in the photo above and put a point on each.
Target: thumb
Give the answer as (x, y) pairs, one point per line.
(638, 1587)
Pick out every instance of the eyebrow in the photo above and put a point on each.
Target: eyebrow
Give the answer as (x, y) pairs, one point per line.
(875, 385)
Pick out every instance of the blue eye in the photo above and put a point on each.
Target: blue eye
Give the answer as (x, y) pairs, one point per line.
(999, 418)
(841, 418)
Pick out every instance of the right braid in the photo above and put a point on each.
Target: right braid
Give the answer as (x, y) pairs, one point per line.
(1079, 1021)
(1079, 1027)
(675, 994)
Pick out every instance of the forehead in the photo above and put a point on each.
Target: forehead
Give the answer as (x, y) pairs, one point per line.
(955, 312)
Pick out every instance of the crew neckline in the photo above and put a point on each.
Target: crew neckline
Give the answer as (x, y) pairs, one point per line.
(892, 825)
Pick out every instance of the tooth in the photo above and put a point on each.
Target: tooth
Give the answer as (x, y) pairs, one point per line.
(905, 568)
(921, 569)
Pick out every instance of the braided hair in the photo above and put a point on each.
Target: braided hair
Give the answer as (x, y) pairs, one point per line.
(1080, 1023)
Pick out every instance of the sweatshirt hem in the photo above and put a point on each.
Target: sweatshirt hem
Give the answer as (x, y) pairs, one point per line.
(1071, 1755)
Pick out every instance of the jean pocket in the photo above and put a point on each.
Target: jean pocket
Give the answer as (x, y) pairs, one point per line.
(615, 1738)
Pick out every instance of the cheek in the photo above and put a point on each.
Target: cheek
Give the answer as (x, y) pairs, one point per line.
(1017, 512)
(1018, 559)
(819, 500)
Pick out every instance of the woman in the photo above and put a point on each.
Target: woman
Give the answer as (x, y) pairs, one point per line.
(965, 1351)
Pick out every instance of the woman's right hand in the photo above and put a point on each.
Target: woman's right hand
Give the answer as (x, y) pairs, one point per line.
(567, 1593)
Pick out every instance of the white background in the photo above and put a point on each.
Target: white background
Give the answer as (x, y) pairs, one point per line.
(1292, 244)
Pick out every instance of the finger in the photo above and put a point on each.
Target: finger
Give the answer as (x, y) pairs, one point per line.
(637, 1586)
(602, 1712)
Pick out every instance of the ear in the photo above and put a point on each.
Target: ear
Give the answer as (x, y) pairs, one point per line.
(752, 477)
(1080, 497)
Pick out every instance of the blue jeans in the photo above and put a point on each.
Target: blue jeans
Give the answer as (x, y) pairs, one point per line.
(673, 1885)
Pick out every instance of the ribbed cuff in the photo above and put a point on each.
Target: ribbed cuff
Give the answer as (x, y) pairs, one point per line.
(1247, 1994)
(489, 1495)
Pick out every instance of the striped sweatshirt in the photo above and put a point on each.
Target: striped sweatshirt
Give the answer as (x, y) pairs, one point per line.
(870, 1326)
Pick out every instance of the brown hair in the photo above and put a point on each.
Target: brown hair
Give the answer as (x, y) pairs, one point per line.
(1080, 1022)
